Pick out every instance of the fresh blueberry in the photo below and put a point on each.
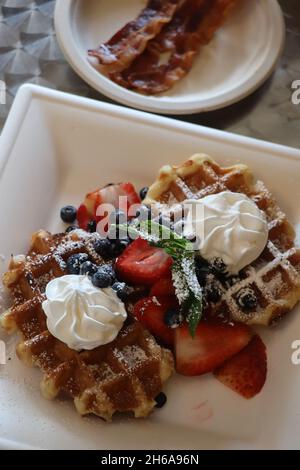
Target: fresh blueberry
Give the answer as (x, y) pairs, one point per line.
(71, 228)
(88, 268)
(213, 293)
(173, 318)
(247, 299)
(101, 279)
(75, 261)
(143, 193)
(92, 226)
(68, 214)
(202, 271)
(103, 247)
(161, 400)
(122, 290)
(104, 277)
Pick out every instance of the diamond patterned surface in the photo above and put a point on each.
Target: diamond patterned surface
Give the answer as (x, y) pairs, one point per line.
(29, 53)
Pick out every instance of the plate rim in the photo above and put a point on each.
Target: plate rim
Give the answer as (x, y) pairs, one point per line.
(29, 93)
(64, 31)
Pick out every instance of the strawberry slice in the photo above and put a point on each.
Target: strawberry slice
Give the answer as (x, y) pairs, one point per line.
(83, 217)
(151, 312)
(163, 287)
(212, 345)
(112, 195)
(143, 264)
(246, 372)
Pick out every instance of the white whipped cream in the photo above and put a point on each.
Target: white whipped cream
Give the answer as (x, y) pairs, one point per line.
(82, 315)
(229, 226)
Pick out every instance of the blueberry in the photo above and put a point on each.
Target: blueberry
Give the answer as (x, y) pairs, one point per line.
(161, 400)
(173, 318)
(103, 247)
(88, 268)
(101, 279)
(71, 228)
(143, 193)
(122, 290)
(68, 214)
(75, 261)
(218, 266)
(247, 299)
(92, 226)
(104, 277)
(202, 271)
(213, 293)
(117, 247)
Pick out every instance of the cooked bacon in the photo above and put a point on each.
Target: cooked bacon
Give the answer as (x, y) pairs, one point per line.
(128, 43)
(192, 27)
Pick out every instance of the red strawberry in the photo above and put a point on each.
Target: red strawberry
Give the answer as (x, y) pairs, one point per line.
(246, 372)
(143, 264)
(151, 311)
(83, 217)
(163, 287)
(121, 196)
(213, 344)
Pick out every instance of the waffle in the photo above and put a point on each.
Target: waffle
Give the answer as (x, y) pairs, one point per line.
(123, 376)
(275, 275)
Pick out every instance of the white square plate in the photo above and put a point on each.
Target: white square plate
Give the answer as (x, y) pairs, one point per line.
(54, 148)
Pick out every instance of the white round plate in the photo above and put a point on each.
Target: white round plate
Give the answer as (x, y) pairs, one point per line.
(237, 61)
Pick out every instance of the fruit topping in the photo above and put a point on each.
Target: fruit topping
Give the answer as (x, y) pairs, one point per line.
(141, 263)
(151, 312)
(246, 372)
(68, 214)
(75, 262)
(212, 345)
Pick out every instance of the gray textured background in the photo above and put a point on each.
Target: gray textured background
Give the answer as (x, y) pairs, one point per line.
(29, 53)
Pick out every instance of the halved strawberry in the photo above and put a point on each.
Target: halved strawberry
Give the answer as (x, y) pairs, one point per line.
(246, 372)
(212, 345)
(143, 264)
(151, 312)
(121, 196)
(83, 217)
(164, 286)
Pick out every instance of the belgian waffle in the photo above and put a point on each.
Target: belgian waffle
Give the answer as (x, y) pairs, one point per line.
(123, 376)
(275, 275)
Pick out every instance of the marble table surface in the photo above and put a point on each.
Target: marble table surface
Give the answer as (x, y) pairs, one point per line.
(29, 53)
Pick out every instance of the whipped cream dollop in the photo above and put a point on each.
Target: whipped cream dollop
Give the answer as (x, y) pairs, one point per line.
(82, 315)
(228, 226)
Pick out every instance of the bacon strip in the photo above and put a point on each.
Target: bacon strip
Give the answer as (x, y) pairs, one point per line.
(192, 27)
(128, 43)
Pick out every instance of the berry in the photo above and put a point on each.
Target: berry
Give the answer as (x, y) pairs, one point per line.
(143, 264)
(151, 311)
(143, 193)
(247, 299)
(212, 345)
(164, 286)
(71, 228)
(103, 247)
(161, 400)
(122, 290)
(246, 372)
(173, 318)
(75, 261)
(83, 217)
(88, 268)
(104, 277)
(92, 226)
(68, 214)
